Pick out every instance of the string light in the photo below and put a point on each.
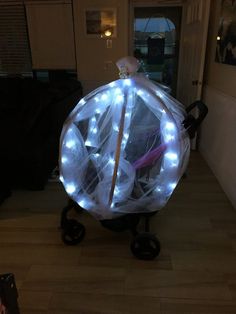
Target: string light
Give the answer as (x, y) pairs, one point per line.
(64, 159)
(70, 188)
(127, 82)
(118, 90)
(170, 126)
(140, 92)
(104, 97)
(82, 101)
(91, 149)
(119, 98)
(172, 185)
(70, 144)
(111, 161)
(171, 156)
(88, 143)
(116, 128)
(112, 84)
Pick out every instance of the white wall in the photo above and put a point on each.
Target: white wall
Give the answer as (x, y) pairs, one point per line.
(51, 35)
(95, 62)
(218, 134)
(218, 140)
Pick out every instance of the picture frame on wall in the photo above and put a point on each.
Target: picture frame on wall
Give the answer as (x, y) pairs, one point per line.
(101, 22)
(226, 37)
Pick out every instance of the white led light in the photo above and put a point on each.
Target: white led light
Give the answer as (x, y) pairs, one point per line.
(111, 161)
(96, 99)
(104, 97)
(96, 155)
(127, 82)
(170, 126)
(119, 98)
(116, 128)
(93, 119)
(158, 189)
(126, 136)
(116, 191)
(128, 114)
(82, 101)
(171, 156)
(159, 94)
(140, 92)
(118, 90)
(82, 203)
(169, 138)
(123, 143)
(70, 188)
(61, 179)
(64, 159)
(88, 143)
(94, 131)
(97, 111)
(112, 84)
(172, 185)
(70, 144)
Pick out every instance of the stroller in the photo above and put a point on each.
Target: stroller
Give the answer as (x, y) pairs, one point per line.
(123, 150)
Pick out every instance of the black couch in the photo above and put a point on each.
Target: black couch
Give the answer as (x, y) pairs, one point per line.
(32, 114)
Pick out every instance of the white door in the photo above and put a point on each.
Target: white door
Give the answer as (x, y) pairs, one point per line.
(195, 20)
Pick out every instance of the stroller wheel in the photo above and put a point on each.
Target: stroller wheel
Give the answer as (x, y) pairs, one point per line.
(145, 246)
(73, 232)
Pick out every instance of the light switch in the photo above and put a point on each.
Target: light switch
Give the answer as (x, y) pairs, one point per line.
(109, 43)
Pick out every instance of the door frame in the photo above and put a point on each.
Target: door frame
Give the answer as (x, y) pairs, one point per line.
(161, 3)
(203, 59)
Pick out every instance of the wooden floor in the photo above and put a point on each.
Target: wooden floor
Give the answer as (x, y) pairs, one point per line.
(195, 272)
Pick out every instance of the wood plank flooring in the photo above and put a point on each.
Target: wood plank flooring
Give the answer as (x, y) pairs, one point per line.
(195, 272)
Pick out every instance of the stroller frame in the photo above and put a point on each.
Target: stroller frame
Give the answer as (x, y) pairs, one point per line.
(145, 245)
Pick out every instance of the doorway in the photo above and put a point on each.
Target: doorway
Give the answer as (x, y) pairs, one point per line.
(156, 38)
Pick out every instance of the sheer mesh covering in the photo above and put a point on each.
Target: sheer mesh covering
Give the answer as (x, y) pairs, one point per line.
(124, 148)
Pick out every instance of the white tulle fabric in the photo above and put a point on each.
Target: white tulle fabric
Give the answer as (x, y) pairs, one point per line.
(123, 148)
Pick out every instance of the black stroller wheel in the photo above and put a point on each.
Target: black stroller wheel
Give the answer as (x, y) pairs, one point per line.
(145, 246)
(73, 233)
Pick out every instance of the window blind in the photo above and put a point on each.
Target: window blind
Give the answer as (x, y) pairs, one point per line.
(14, 45)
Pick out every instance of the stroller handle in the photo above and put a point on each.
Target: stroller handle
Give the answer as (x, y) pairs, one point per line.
(191, 123)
